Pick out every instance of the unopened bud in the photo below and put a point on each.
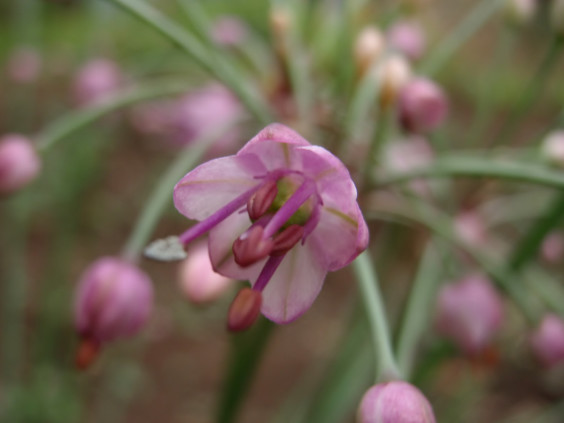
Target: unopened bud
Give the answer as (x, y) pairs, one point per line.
(393, 75)
(96, 80)
(557, 16)
(19, 163)
(244, 310)
(251, 247)
(368, 48)
(547, 342)
(552, 248)
(553, 148)
(286, 240)
(422, 105)
(395, 402)
(88, 351)
(261, 201)
(280, 20)
(408, 38)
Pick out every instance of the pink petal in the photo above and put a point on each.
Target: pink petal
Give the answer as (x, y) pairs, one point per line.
(274, 132)
(213, 184)
(294, 286)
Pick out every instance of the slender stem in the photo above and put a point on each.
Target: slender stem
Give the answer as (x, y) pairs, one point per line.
(463, 32)
(370, 294)
(162, 194)
(75, 121)
(210, 60)
(475, 166)
(382, 123)
(418, 308)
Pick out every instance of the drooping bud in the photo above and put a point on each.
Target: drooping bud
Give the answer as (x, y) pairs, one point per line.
(251, 247)
(96, 80)
(395, 402)
(547, 342)
(368, 48)
(520, 12)
(261, 201)
(197, 279)
(469, 312)
(557, 16)
(408, 38)
(19, 163)
(285, 241)
(553, 148)
(422, 105)
(552, 248)
(229, 31)
(244, 310)
(393, 75)
(24, 65)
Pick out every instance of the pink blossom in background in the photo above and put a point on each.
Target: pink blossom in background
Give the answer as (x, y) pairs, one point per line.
(395, 402)
(229, 31)
(24, 65)
(422, 105)
(469, 312)
(19, 163)
(470, 228)
(408, 38)
(96, 80)
(547, 342)
(552, 248)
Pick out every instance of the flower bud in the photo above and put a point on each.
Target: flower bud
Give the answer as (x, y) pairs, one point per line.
(469, 312)
(408, 38)
(197, 279)
(24, 65)
(470, 228)
(96, 80)
(229, 31)
(368, 48)
(244, 310)
(113, 300)
(520, 12)
(393, 75)
(395, 402)
(422, 105)
(557, 16)
(19, 163)
(280, 21)
(552, 248)
(547, 342)
(553, 148)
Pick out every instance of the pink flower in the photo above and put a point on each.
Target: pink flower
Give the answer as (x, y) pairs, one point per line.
(229, 31)
(395, 402)
(113, 300)
(469, 312)
(24, 65)
(280, 213)
(96, 80)
(197, 279)
(548, 340)
(19, 163)
(422, 105)
(408, 38)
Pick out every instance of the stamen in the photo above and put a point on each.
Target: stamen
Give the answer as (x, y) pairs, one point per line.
(261, 201)
(286, 240)
(244, 310)
(267, 271)
(251, 246)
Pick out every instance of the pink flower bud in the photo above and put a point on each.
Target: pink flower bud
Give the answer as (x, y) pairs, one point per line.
(229, 31)
(19, 163)
(408, 38)
(368, 48)
(547, 342)
(394, 74)
(96, 80)
(422, 105)
(113, 300)
(469, 312)
(552, 248)
(197, 279)
(553, 148)
(520, 12)
(24, 65)
(395, 402)
(470, 228)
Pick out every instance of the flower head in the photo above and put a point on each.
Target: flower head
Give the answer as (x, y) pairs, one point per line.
(19, 163)
(395, 402)
(547, 341)
(280, 213)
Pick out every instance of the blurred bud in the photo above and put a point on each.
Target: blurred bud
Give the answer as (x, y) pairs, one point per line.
(470, 228)
(113, 300)
(469, 312)
(395, 402)
(393, 75)
(408, 38)
(422, 105)
(24, 65)
(520, 12)
(552, 248)
(19, 163)
(197, 279)
(244, 310)
(229, 31)
(280, 20)
(368, 48)
(557, 16)
(96, 80)
(547, 342)
(552, 148)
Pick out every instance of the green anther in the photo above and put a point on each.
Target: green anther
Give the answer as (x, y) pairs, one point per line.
(286, 188)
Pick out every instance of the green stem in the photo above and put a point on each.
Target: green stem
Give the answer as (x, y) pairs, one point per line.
(75, 121)
(464, 30)
(475, 166)
(210, 60)
(380, 132)
(370, 293)
(162, 194)
(418, 308)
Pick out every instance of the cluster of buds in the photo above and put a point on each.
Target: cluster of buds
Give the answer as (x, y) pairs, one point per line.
(19, 163)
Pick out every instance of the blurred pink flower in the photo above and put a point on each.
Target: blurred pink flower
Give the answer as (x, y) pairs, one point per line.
(422, 105)
(96, 80)
(229, 31)
(552, 249)
(395, 402)
(408, 38)
(19, 163)
(470, 228)
(469, 312)
(547, 342)
(301, 219)
(24, 65)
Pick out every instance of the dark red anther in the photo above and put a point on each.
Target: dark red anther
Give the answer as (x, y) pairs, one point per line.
(261, 201)
(285, 241)
(88, 351)
(244, 310)
(251, 247)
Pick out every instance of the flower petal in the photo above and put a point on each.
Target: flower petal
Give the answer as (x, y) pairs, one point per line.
(294, 286)
(274, 132)
(213, 184)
